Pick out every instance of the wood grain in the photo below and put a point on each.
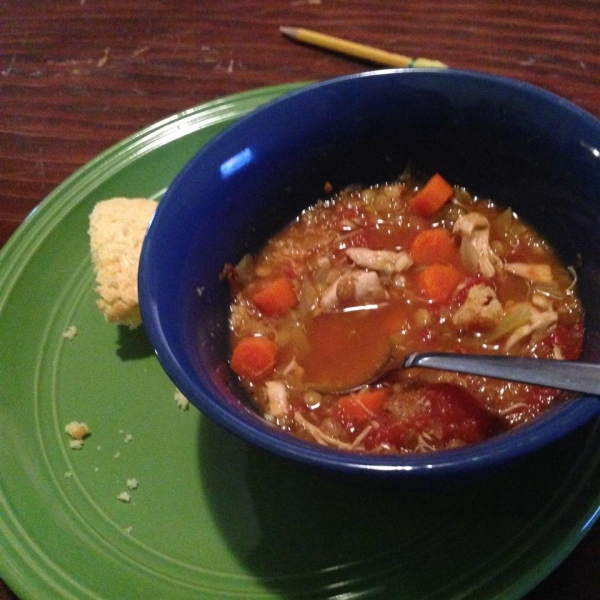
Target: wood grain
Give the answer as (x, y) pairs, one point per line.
(76, 76)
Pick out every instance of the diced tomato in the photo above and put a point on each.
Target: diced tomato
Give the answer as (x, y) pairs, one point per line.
(459, 415)
(448, 414)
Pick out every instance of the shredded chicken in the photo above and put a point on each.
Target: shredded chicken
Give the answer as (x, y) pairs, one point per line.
(355, 286)
(361, 436)
(541, 322)
(386, 261)
(475, 250)
(574, 275)
(319, 436)
(424, 443)
(540, 301)
(481, 309)
(278, 398)
(513, 407)
(533, 272)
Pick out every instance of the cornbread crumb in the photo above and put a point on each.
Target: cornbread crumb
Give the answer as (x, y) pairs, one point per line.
(116, 455)
(124, 497)
(70, 333)
(76, 444)
(181, 401)
(133, 484)
(77, 430)
(117, 230)
(128, 438)
(129, 529)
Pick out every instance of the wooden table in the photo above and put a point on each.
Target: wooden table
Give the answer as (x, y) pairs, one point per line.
(76, 76)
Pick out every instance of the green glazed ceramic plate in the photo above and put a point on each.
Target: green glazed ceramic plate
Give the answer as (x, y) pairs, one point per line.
(213, 517)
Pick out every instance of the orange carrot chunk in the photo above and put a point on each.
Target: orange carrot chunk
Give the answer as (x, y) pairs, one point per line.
(276, 298)
(433, 246)
(362, 406)
(432, 196)
(438, 281)
(254, 358)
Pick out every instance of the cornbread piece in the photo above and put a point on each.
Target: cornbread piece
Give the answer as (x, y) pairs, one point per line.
(117, 230)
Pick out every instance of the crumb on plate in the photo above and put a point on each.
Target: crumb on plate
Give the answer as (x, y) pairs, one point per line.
(77, 430)
(70, 333)
(181, 401)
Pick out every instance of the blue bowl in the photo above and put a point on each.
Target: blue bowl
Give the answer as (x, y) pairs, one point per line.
(518, 144)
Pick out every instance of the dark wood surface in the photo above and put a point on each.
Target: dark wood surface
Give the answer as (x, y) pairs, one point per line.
(76, 76)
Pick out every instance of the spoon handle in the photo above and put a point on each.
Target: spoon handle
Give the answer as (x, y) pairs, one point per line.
(560, 374)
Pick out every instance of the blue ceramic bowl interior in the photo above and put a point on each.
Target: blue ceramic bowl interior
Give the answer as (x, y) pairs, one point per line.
(521, 146)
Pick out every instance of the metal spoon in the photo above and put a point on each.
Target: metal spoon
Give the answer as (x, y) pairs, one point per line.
(561, 374)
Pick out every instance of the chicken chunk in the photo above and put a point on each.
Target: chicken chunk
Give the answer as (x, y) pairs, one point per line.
(386, 261)
(353, 287)
(541, 323)
(277, 396)
(533, 272)
(475, 251)
(480, 311)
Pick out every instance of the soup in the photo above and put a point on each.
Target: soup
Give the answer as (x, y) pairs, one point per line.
(363, 278)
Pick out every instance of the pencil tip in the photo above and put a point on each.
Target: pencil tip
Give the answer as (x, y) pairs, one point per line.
(289, 31)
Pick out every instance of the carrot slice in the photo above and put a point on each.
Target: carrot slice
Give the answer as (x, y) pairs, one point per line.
(254, 358)
(362, 406)
(438, 281)
(276, 298)
(433, 246)
(432, 196)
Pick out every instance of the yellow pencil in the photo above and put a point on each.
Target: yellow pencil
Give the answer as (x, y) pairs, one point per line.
(357, 50)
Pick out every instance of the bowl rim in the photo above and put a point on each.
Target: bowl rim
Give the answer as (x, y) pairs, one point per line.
(252, 428)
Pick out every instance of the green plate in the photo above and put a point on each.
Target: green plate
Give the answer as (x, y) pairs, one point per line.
(213, 517)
